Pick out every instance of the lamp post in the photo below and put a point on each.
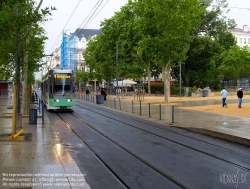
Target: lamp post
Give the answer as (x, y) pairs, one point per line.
(50, 55)
(117, 70)
(180, 79)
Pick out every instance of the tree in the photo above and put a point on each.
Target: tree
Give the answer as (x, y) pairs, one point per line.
(174, 22)
(118, 33)
(209, 41)
(21, 42)
(235, 63)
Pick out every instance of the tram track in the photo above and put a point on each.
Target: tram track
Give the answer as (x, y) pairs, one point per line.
(108, 168)
(117, 177)
(176, 142)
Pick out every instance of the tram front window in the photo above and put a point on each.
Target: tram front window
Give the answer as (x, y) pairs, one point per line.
(62, 84)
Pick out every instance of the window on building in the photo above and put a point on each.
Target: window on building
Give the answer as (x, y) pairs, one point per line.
(245, 41)
(248, 40)
(240, 41)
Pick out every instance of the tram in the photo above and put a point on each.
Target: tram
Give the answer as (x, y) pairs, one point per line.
(57, 89)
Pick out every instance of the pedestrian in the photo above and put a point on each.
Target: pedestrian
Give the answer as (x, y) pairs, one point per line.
(224, 94)
(104, 93)
(240, 96)
(87, 94)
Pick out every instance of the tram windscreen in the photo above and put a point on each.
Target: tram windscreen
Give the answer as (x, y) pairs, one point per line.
(62, 83)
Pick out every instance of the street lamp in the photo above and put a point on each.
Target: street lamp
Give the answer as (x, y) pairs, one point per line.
(116, 69)
(180, 79)
(50, 55)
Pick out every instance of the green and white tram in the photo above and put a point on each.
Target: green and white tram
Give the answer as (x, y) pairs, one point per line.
(58, 89)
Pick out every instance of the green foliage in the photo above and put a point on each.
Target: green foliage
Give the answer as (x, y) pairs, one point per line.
(81, 76)
(209, 41)
(16, 21)
(235, 63)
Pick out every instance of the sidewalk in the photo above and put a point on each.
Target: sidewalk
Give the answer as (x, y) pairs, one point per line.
(26, 162)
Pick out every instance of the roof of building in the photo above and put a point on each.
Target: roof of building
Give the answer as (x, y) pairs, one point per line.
(87, 33)
(239, 30)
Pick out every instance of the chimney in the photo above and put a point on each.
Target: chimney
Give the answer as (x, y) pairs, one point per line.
(245, 28)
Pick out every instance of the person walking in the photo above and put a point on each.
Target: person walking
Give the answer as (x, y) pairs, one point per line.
(87, 94)
(224, 94)
(240, 96)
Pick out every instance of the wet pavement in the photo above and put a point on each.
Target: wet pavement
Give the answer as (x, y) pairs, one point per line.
(38, 160)
(41, 157)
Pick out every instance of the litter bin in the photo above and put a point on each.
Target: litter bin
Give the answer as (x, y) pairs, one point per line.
(205, 93)
(32, 116)
(99, 99)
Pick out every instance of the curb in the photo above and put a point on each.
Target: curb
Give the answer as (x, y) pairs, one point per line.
(215, 134)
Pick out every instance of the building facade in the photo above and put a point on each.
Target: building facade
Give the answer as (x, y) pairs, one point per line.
(242, 36)
(69, 52)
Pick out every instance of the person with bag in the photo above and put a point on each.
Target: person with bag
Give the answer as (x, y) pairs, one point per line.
(240, 96)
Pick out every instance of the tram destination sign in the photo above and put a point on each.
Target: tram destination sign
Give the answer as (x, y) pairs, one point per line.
(61, 76)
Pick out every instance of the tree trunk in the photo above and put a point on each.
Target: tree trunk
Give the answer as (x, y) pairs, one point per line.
(25, 93)
(25, 89)
(166, 78)
(165, 84)
(149, 78)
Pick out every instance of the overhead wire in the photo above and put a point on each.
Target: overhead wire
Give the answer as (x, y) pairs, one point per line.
(97, 13)
(97, 5)
(66, 24)
(89, 16)
(92, 14)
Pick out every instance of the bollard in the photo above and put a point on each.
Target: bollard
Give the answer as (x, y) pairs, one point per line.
(32, 116)
(149, 113)
(42, 112)
(140, 107)
(172, 114)
(39, 104)
(160, 110)
(19, 133)
(120, 104)
(114, 102)
(132, 106)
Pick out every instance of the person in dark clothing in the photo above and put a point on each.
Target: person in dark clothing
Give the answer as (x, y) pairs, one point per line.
(87, 94)
(240, 96)
(104, 93)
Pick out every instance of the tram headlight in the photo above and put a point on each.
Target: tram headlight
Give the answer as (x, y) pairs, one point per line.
(56, 100)
(69, 100)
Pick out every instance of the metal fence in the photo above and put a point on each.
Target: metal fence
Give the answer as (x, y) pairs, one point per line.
(150, 110)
